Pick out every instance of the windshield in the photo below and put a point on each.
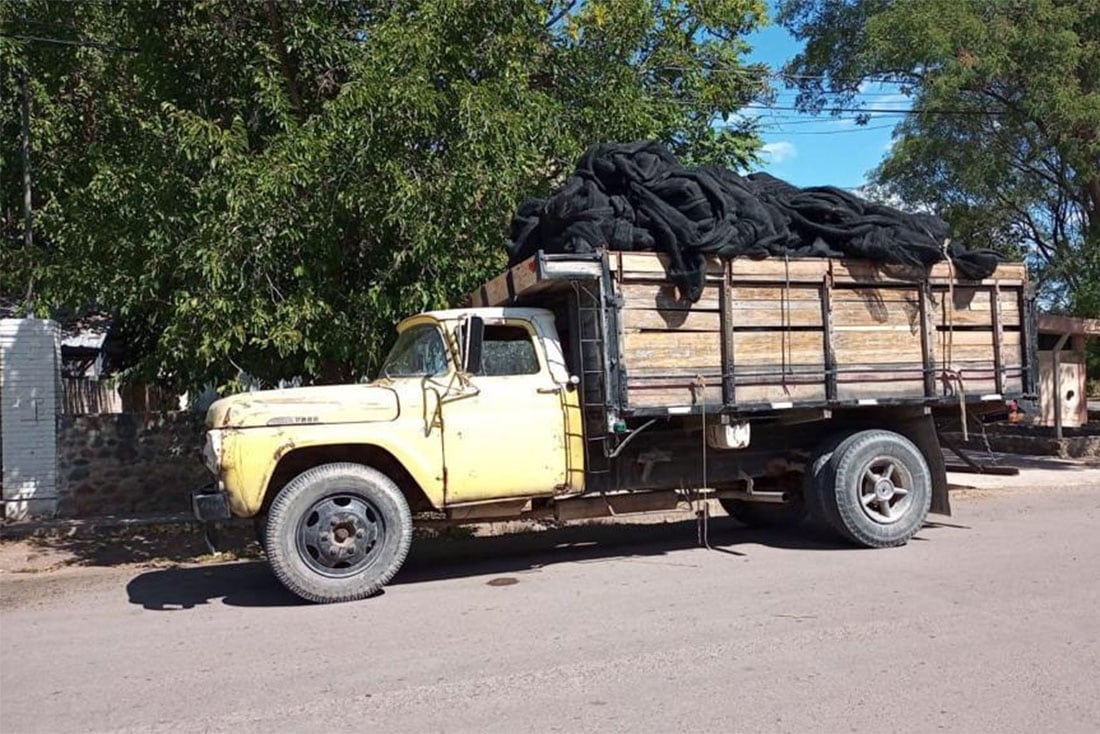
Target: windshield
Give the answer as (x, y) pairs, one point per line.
(419, 351)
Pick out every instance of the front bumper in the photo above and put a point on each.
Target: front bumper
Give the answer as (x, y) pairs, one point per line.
(210, 504)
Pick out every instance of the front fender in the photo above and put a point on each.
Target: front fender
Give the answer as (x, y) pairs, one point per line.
(250, 456)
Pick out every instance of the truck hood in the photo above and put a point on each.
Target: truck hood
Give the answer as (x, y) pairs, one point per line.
(305, 406)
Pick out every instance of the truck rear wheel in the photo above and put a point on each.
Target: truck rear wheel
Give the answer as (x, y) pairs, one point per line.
(338, 532)
(876, 488)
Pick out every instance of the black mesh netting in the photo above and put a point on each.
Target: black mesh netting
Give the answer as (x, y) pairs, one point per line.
(637, 196)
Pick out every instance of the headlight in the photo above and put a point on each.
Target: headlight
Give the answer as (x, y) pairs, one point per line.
(212, 450)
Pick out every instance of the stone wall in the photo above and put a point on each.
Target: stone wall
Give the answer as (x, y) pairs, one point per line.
(129, 463)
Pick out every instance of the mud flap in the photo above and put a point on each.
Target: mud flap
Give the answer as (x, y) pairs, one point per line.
(921, 430)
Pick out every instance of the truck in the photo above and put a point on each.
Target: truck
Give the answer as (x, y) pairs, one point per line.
(575, 386)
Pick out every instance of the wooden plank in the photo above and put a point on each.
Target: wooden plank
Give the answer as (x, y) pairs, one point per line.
(972, 307)
(777, 347)
(1005, 271)
(780, 393)
(774, 293)
(780, 271)
(496, 290)
(866, 271)
(998, 337)
(639, 319)
(882, 313)
(654, 397)
(726, 322)
(633, 264)
(671, 351)
(877, 347)
(865, 390)
(676, 352)
(664, 296)
(776, 314)
(642, 397)
(981, 337)
(852, 270)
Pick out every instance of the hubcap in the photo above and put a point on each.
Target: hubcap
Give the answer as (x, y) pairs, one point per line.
(885, 490)
(340, 535)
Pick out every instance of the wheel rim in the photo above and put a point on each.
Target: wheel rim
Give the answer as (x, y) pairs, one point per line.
(340, 535)
(885, 490)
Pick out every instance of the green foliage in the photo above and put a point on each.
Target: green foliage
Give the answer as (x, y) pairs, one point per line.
(268, 186)
(1004, 138)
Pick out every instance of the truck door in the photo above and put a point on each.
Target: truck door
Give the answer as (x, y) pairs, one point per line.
(507, 437)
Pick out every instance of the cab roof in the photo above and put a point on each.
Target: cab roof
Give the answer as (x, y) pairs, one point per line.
(487, 313)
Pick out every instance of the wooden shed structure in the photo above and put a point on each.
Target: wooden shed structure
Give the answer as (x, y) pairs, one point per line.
(1063, 401)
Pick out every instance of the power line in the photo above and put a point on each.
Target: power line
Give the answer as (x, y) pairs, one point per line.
(860, 129)
(775, 74)
(66, 42)
(867, 110)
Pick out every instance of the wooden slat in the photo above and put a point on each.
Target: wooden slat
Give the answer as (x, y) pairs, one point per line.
(640, 294)
(779, 393)
(1004, 271)
(878, 347)
(904, 312)
(671, 351)
(769, 348)
(971, 307)
(865, 271)
(776, 293)
(878, 390)
(652, 397)
(780, 271)
(674, 352)
(684, 395)
(757, 314)
(644, 264)
(637, 319)
(496, 291)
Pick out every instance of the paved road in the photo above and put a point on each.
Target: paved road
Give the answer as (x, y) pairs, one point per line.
(987, 622)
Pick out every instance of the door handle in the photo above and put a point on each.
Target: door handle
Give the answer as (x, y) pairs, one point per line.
(548, 390)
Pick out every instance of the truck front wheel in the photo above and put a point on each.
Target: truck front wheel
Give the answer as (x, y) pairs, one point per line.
(877, 487)
(338, 532)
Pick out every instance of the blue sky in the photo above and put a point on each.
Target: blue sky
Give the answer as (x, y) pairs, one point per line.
(816, 150)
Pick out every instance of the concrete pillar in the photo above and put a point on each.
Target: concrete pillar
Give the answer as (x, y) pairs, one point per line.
(30, 357)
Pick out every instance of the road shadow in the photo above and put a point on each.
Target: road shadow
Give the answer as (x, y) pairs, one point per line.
(252, 584)
(154, 543)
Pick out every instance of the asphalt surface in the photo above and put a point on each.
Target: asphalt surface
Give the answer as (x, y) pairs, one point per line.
(987, 621)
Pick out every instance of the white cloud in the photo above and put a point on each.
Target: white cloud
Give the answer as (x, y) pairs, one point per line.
(779, 151)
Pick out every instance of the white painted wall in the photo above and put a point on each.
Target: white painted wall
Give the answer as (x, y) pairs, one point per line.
(30, 355)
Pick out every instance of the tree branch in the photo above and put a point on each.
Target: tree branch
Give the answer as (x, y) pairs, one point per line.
(290, 74)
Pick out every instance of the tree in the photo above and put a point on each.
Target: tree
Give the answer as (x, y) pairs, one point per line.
(267, 187)
(1004, 135)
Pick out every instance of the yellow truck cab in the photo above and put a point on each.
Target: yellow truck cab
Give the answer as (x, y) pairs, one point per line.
(431, 433)
(576, 386)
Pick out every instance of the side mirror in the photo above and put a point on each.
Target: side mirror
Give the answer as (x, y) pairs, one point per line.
(473, 336)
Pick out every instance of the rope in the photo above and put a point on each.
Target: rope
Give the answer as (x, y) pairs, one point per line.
(702, 516)
(949, 312)
(785, 347)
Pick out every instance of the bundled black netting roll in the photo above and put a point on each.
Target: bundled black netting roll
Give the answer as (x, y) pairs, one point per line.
(637, 196)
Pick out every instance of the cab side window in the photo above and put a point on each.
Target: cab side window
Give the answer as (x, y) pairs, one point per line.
(508, 350)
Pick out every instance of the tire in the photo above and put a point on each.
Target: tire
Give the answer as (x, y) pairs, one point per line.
(876, 489)
(764, 514)
(338, 532)
(815, 492)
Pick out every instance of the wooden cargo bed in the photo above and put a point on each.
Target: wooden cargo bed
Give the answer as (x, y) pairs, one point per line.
(773, 334)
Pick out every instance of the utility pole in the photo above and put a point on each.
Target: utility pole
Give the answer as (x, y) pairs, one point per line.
(28, 211)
